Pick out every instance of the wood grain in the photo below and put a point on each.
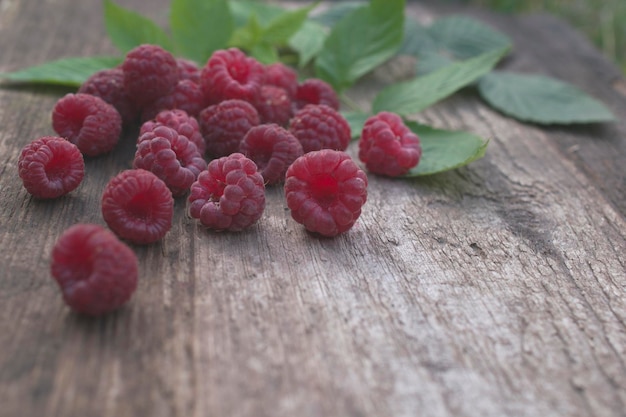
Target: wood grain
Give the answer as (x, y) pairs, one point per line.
(497, 289)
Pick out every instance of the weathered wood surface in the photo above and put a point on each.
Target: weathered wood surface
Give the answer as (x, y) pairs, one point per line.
(494, 290)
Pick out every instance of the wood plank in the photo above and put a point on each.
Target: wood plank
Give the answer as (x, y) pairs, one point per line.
(496, 289)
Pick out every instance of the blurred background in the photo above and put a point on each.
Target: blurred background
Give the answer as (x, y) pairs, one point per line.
(603, 21)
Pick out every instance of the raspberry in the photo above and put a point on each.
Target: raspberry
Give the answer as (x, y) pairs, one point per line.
(87, 121)
(325, 191)
(229, 194)
(50, 167)
(273, 105)
(185, 96)
(108, 84)
(320, 127)
(149, 73)
(96, 272)
(280, 75)
(181, 122)
(315, 91)
(230, 74)
(138, 206)
(272, 148)
(224, 125)
(171, 157)
(387, 146)
(188, 70)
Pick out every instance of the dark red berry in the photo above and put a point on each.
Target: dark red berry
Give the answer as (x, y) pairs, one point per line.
(108, 84)
(224, 125)
(315, 91)
(388, 146)
(274, 105)
(272, 148)
(171, 157)
(138, 206)
(229, 194)
(320, 127)
(50, 167)
(87, 121)
(280, 75)
(325, 191)
(180, 121)
(96, 272)
(188, 70)
(186, 96)
(149, 73)
(230, 74)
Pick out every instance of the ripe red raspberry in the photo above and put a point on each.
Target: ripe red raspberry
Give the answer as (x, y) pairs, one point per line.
(188, 70)
(87, 121)
(315, 91)
(274, 105)
(180, 121)
(280, 75)
(96, 272)
(272, 148)
(387, 146)
(325, 191)
(186, 96)
(50, 167)
(320, 127)
(149, 73)
(224, 125)
(171, 157)
(229, 194)
(138, 206)
(108, 84)
(230, 74)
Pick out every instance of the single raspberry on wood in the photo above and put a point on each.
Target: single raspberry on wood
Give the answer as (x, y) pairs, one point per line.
(149, 73)
(224, 125)
(171, 157)
(108, 84)
(320, 127)
(138, 206)
(274, 105)
(325, 191)
(230, 74)
(315, 91)
(387, 146)
(280, 75)
(50, 167)
(180, 121)
(229, 194)
(186, 96)
(87, 121)
(95, 271)
(272, 148)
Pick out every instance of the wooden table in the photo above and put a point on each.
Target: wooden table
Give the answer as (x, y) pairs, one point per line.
(497, 289)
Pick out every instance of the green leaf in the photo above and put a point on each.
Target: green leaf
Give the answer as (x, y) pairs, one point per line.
(356, 120)
(246, 37)
(540, 99)
(242, 10)
(416, 39)
(413, 96)
(128, 29)
(336, 12)
(67, 71)
(200, 27)
(285, 25)
(444, 150)
(265, 53)
(361, 41)
(308, 41)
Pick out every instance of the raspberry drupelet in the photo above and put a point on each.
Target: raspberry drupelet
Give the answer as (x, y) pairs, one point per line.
(50, 167)
(108, 84)
(95, 271)
(315, 91)
(325, 191)
(320, 127)
(387, 146)
(274, 105)
(186, 96)
(138, 206)
(273, 149)
(87, 121)
(171, 157)
(180, 121)
(228, 195)
(280, 75)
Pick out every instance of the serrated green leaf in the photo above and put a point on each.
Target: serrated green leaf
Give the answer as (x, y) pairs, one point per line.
(200, 27)
(265, 53)
(243, 9)
(360, 42)
(285, 25)
(308, 42)
(128, 29)
(356, 120)
(415, 95)
(246, 37)
(540, 99)
(444, 150)
(416, 38)
(71, 72)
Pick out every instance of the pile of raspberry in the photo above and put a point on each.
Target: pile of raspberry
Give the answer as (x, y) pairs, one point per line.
(215, 136)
